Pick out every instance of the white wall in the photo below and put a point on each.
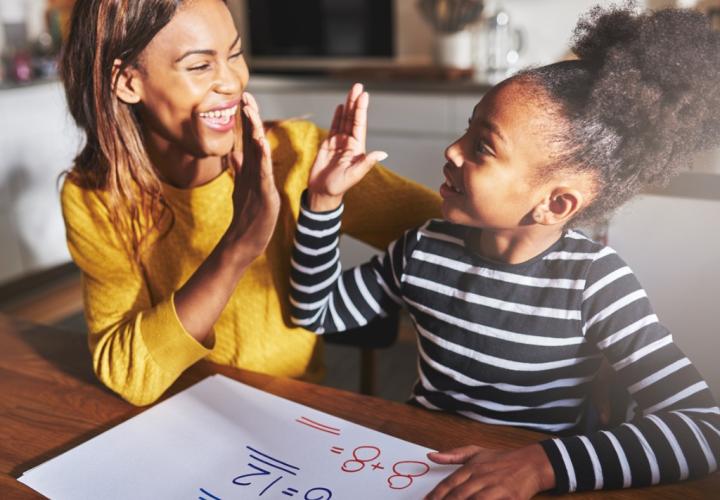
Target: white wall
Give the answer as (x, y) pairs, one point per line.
(673, 246)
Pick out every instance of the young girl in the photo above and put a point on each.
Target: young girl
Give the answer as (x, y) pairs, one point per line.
(514, 311)
(182, 230)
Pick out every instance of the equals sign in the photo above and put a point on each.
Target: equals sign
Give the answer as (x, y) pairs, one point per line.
(289, 492)
(337, 450)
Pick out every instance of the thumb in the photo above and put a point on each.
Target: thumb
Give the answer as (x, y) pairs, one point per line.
(371, 159)
(454, 456)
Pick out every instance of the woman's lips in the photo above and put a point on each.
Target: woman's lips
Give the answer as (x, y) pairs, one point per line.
(221, 119)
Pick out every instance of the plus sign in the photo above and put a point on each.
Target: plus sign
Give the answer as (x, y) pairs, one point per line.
(377, 466)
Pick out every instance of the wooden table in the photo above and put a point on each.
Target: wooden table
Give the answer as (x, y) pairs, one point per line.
(50, 402)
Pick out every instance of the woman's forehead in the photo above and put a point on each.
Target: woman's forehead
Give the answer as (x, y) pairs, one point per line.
(197, 25)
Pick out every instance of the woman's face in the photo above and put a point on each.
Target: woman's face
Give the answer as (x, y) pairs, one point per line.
(192, 77)
(492, 171)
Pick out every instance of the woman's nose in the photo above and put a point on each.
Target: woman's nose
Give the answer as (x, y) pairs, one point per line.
(229, 80)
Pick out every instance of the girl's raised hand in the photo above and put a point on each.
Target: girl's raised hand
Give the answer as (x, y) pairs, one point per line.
(341, 161)
(256, 202)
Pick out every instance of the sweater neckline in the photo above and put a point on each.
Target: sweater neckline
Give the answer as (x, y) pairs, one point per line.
(197, 191)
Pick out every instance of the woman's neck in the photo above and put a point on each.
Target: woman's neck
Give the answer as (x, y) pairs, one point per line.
(179, 168)
(513, 246)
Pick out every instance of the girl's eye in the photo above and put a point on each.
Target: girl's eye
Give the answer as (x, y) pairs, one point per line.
(482, 149)
(236, 54)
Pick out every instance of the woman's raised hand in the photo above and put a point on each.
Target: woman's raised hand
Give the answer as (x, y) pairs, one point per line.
(256, 202)
(341, 161)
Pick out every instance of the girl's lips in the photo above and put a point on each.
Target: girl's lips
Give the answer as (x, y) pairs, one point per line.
(446, 191)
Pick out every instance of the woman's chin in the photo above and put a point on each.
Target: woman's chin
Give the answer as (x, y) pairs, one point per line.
(218, 147)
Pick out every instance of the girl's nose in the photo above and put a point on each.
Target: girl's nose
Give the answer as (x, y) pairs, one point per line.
(453, 154)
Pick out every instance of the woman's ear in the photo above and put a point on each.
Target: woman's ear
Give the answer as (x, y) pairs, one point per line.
(559, 207)
(127, 85)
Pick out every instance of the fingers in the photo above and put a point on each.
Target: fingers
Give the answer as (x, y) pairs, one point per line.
(448, 484)
(350, 102)
(359, 126)
(454, 456)
(337, 120)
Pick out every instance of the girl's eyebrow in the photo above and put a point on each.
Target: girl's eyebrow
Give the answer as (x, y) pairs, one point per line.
(493, 128)
(207, 52)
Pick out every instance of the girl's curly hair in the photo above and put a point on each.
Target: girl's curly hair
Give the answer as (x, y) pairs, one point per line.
(642, 97)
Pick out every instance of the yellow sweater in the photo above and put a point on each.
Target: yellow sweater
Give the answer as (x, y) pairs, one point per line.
(138, 345)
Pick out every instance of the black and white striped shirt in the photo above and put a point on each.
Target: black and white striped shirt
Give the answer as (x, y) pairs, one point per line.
(520, 344)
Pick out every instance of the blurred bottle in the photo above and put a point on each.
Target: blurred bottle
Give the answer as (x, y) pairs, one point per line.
(499, 45)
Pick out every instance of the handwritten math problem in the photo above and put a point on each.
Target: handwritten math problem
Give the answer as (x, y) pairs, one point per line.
(268, 473)
(223, 440)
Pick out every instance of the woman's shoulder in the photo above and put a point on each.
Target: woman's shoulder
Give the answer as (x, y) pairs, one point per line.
(82, 203)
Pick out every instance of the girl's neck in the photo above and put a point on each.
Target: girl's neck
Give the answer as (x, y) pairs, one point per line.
(179, 168)
(513, 246)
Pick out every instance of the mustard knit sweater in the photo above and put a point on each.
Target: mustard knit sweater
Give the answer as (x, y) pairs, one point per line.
(138, 345)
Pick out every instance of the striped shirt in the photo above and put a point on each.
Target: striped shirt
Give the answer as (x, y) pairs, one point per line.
(521, 344)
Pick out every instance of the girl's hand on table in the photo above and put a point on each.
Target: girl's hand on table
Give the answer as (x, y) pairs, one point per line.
(341, 161)
(493, 474)
(256, 202)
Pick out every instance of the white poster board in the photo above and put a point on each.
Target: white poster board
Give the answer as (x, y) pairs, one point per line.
(221, 439)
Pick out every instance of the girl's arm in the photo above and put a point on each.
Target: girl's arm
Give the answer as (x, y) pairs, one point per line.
(323, 298)
(675, 433)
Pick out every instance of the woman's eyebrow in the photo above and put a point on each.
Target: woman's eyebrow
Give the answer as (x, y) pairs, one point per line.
(207, 52)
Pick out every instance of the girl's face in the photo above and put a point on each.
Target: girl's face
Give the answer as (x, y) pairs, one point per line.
(192, 77)
(491, 173)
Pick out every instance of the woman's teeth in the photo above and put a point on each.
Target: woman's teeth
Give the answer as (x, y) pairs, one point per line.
(220, 116)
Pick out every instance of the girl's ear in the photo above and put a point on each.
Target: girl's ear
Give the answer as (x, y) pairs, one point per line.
(127, 85)
(559, 207)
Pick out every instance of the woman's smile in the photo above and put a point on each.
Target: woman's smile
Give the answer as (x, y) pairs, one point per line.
(220, 118)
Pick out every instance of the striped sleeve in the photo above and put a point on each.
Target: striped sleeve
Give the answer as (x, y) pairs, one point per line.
(675, 434)
(325, 299)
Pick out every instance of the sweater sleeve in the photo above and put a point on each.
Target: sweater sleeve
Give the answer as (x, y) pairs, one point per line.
(138, 347)
(675, 434)
(325, 299)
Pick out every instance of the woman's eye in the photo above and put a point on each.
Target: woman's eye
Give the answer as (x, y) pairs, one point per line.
(236, 54)
(199, 67)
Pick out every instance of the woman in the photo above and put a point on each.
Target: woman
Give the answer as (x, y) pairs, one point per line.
(183, 230)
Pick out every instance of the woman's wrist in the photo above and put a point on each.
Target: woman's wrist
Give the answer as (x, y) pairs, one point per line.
(322, 202)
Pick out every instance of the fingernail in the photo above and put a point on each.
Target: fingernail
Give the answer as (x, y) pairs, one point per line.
(382, 156)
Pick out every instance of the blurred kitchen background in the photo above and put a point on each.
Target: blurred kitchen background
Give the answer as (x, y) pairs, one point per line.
(426, 63)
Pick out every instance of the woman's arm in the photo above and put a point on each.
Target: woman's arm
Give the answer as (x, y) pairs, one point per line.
(141, 344)
(256, 204)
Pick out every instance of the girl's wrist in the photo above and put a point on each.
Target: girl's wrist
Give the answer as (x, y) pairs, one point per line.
(543, 469)
(322, 202)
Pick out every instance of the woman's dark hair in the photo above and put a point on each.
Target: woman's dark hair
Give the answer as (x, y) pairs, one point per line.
(642, 97)
(113, 158)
